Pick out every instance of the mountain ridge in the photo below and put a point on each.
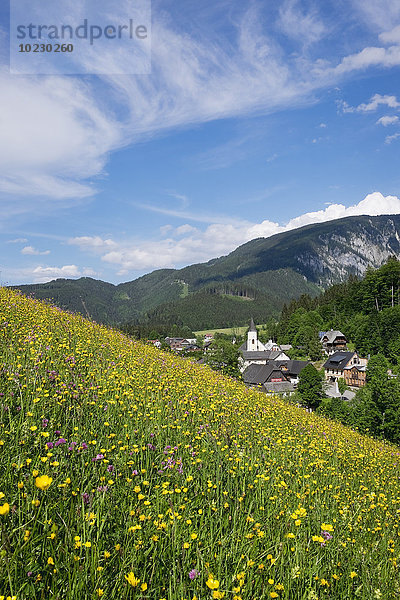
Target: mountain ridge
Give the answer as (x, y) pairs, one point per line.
(267, 271)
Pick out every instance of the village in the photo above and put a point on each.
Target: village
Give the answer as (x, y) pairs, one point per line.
(269, 368)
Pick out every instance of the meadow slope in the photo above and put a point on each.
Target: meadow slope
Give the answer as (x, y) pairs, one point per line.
(130, 473)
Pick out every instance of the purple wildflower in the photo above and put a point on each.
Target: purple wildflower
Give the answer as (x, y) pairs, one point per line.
(60, 441)
(193, 574)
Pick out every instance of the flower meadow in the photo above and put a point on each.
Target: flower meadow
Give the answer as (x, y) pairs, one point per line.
(127, 472)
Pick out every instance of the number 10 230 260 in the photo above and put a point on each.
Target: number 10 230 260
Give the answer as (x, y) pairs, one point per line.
(46, 48)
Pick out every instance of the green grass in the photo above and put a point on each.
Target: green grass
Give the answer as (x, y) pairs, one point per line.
(241, 330)
(169, 473)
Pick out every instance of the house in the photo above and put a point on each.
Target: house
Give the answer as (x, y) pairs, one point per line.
(355, 375)
(276, 376)
(269, 378)
(347, 365)
(255, 352)
(292, 368)
(333, 340)
(179, 344)
(270, 345)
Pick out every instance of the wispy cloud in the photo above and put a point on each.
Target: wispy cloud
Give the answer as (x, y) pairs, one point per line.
(390, 138)
(185, 214)
(58, 133)
(299, 24)
(54, 137)
(387, 120)
(31, 251)
(93, 244)
(382, 15)
(375, 102)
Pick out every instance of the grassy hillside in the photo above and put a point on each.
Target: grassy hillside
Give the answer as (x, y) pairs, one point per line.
(130, 473)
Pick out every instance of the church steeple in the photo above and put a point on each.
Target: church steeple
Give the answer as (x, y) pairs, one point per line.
(252, 326)
(252, 341)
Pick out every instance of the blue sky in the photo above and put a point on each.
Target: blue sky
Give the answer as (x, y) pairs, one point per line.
(257, 117)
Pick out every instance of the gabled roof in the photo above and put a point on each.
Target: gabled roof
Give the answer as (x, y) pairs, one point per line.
(332, 335)
(292, 367)
(338, 360)
(274, 354)
(259, 374)
(358, 367)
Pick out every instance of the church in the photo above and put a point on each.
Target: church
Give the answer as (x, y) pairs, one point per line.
(253, 351)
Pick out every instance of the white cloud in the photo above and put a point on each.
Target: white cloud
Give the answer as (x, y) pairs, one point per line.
(165, 229)
(391, 37)
(184, 229)
(375, 102)
(304, 26)
(378, 100)
(387, 120)
(369, 57)
(57, 132)
(390, 138)
(42, 274)
(186, 244)
(17, 241)
(93, 244)
(53, 135)
(31, 251)
(382, 15)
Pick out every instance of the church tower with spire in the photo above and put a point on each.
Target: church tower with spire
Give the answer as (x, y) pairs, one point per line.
(252, 336)
(253, 343)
